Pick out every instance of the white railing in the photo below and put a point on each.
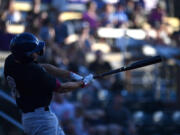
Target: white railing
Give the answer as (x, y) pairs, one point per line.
(7, 97)
(11, 120)
(4, 115)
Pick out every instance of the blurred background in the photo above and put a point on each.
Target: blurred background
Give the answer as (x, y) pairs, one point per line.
(94, 36)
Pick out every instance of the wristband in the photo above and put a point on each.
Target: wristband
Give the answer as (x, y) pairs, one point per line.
(75, 76)
(83, 85)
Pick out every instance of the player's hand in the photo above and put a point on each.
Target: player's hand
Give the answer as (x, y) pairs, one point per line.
(75, 76)
(88, 79)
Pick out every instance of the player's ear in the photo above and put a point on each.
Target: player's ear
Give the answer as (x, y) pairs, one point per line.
(34, 56)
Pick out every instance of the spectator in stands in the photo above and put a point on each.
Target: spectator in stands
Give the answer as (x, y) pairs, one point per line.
(162, 35)
(114, 129)
(44, 32)
(156, 16)
(101, 130)
(11, 15)
(176, 38)
(5, 37)
(137, 16)
(107, 16)
(121, 18)
(99, 65)
(60, 5)
(78, 120)
(91, 17)
(85, 40)
(63, 109)
(87, 100)
(62, 31)
(116, 87)
(118, 114)
(130, 9)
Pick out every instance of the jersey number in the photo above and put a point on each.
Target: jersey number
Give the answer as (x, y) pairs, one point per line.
(12, 85)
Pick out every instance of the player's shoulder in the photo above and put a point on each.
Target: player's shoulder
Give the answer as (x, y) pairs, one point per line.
(9, 58)
(8, 64)
(36, 67)
(9, 61)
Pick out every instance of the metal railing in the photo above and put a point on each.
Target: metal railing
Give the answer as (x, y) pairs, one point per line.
(4, 115)
(7, 97)
(11, 120)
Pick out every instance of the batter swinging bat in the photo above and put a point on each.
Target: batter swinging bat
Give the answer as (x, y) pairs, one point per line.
(138, 64)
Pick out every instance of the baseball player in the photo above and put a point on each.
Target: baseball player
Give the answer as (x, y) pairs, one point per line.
(33, 84)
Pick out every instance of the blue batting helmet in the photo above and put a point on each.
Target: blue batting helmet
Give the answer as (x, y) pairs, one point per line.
(24, 45)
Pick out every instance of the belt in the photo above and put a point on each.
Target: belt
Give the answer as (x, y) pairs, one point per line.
(46, 108)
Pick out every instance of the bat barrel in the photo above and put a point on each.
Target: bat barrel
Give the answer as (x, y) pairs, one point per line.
(145, 62)
(138, 64)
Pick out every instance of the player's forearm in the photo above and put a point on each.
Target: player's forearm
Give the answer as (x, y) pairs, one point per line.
(70, 86)
(53, 70)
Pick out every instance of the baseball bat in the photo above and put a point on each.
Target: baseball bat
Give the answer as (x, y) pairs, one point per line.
(137, 64)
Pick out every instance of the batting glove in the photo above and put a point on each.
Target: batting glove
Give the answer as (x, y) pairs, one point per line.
(88, 79)
(75, 76)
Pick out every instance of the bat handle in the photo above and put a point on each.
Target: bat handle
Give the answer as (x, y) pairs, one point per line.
(96, 76)
(109, 73)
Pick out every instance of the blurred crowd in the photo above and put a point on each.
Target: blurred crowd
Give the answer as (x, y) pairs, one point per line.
(106, 107)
